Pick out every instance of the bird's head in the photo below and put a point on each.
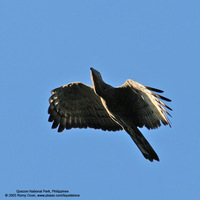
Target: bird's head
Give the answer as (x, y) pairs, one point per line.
(97, 81)
(95, 74)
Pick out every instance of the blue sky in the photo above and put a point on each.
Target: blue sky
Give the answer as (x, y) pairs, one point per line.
(46, 44)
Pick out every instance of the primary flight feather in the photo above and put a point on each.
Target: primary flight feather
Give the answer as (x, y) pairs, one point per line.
(102, 106)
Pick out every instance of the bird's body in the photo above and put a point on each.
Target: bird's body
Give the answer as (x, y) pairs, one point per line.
(127, 107)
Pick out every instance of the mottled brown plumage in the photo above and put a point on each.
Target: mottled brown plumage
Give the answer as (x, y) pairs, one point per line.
(127, 107)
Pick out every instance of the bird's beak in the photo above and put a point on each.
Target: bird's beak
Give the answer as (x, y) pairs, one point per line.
(91, 71)
(94, 71)
(95, 75)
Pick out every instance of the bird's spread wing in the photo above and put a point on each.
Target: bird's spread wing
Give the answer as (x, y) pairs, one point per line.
(148, 109)
(77, 106)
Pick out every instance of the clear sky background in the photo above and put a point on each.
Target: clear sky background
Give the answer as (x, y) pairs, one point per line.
(46, 44)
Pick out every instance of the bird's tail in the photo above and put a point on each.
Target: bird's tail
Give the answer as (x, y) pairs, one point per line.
(142, 143)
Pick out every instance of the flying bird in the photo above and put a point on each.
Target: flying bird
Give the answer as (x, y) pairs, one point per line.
(102, 106)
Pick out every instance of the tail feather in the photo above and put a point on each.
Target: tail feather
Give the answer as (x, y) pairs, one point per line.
(144, 146)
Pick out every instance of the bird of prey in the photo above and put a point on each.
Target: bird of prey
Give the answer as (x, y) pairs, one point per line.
(102, 106)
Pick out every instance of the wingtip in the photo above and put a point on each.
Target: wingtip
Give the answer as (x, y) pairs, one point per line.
(154, 89)
(151, 157)
(154, 158)
(157, 159)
